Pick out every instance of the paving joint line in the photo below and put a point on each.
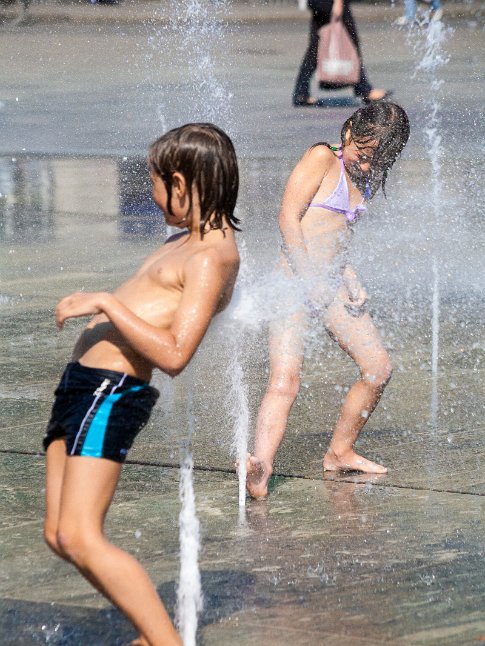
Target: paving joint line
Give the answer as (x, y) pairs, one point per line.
(294, 476)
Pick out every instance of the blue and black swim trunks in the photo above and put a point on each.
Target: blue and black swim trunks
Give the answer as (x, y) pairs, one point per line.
(99, 412)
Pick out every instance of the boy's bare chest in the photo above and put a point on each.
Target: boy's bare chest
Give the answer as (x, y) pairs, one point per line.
(167, 270)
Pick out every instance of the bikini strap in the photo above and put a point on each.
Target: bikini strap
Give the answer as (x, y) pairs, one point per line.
(337, 149)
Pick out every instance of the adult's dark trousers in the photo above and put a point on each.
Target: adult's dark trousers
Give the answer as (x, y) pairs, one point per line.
(320, 17)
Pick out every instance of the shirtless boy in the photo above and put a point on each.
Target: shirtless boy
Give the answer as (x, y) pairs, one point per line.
(156, 319)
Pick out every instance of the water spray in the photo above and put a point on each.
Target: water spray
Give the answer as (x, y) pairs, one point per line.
(238, 402)
(432, 58)
(189, 591)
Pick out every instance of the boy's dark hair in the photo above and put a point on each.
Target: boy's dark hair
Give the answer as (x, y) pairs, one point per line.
(205, 156)
(384, 123)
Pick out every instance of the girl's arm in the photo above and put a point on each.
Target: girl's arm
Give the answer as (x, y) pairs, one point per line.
(300, 189)
(170, 349)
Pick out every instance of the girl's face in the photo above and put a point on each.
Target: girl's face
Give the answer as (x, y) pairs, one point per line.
(358, 159)
(179, 206)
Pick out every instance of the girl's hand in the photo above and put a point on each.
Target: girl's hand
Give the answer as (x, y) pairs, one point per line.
(354, 295)
(357, 298)
(79, 304)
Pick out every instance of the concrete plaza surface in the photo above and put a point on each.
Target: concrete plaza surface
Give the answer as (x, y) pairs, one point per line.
(327, 559)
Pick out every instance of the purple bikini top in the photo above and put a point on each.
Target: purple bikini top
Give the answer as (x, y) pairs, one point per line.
(339, 200)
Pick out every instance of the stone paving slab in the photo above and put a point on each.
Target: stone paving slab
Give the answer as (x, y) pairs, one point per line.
(97, 103)
(319, 562)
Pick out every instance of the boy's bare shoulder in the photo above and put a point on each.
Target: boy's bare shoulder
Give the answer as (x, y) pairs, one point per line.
(220, 259)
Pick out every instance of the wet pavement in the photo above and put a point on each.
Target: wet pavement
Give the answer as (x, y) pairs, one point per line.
(326, 559)
(320, 562)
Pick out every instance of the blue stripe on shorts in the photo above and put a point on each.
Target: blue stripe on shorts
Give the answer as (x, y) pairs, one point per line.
(94, 441)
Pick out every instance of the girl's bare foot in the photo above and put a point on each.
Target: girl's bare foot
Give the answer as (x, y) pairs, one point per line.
(350, 461)
(258, 474)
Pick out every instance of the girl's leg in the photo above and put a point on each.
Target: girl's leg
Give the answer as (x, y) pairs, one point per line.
(359, 337)
(286, 359)
(87, 490)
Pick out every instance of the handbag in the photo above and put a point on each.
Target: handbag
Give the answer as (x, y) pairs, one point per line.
(338, 60)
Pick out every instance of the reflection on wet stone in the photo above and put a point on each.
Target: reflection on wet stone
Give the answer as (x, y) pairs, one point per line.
(26, 208)
(139, 216)
(33, 190)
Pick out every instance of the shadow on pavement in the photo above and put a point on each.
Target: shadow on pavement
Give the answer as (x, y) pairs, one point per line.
(28, 623)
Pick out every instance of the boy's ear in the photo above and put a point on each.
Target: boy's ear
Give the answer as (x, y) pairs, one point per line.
(179, 185)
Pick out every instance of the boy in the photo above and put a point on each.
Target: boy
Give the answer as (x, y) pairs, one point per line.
(157, 318)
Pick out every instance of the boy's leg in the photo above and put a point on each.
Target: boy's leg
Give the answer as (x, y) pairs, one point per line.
(55, 464)
(88, 488)
(286, 359)
(359, 337)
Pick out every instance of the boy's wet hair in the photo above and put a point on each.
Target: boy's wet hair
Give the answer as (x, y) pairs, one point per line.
(388, 125)
(205, 156)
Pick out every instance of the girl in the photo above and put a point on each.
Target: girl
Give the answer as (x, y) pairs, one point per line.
(323, 198)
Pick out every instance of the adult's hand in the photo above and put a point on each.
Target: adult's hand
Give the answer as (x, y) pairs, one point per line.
(337, 10)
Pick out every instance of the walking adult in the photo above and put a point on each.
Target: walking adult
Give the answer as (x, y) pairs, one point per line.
(324, 11)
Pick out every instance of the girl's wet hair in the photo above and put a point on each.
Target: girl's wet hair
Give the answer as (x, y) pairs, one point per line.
(205, 156)
(383, 123)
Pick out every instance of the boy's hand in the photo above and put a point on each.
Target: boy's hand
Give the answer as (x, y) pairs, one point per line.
(78, 304)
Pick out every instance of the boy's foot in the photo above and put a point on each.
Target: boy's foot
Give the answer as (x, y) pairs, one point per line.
(258, 475)
(350, 461)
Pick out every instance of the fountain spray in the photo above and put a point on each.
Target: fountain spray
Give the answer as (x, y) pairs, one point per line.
(238, 401)
(189, 591)
(432, 58)
(202, 24)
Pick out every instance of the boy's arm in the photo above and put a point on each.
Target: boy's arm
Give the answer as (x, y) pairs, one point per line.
(301, 187)
(171, 349)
